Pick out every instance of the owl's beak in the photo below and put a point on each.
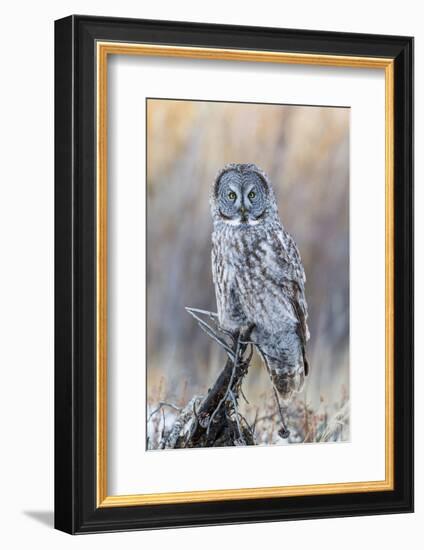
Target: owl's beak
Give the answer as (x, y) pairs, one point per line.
(243, 213)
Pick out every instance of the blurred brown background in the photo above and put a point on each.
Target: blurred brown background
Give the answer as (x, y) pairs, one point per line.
(305, 152)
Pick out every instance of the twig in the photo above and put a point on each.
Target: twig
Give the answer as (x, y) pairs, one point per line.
(255, 421)
(236, 413)
(209, 331)
(266, 417)
(163, 439)
(210, 314)
(213, 317)
(161, 405)
(283, 432)
(230, 385)
(243, 395)
(247, 424)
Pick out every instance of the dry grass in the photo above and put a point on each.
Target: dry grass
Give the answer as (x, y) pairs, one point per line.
(328, 422)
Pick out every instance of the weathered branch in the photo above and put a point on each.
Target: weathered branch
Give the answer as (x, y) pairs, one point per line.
(210, 412)
(214, 419)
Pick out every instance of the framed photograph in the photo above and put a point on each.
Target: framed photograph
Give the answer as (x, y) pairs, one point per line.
(234, 274)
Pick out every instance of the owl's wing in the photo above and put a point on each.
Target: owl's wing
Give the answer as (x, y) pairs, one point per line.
(293, 284)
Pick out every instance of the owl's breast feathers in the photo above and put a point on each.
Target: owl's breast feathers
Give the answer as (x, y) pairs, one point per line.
(259, 279)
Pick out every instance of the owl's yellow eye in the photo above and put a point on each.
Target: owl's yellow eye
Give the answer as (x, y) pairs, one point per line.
(251, 195)
(232, 195)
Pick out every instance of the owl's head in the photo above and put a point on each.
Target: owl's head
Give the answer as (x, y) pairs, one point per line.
(242, 195)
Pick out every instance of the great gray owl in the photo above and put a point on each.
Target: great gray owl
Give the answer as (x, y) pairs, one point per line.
(258, 274)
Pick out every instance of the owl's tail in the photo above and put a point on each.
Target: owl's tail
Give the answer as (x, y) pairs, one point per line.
(287, 373)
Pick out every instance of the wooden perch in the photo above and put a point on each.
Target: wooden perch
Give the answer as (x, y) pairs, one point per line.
(214, 419)
(218, 408)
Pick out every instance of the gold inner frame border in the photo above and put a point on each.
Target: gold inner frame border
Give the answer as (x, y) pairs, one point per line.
(103, 50)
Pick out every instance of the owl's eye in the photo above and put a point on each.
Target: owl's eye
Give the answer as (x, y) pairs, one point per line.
(232, 195)
(251, 195)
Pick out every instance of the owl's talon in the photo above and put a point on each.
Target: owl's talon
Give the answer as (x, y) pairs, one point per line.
(284, 432)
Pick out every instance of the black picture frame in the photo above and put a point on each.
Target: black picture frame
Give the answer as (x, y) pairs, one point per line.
(76, 508)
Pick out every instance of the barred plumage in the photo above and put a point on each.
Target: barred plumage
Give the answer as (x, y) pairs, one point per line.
(258, 274)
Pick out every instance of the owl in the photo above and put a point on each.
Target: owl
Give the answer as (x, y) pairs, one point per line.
(258, 274)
